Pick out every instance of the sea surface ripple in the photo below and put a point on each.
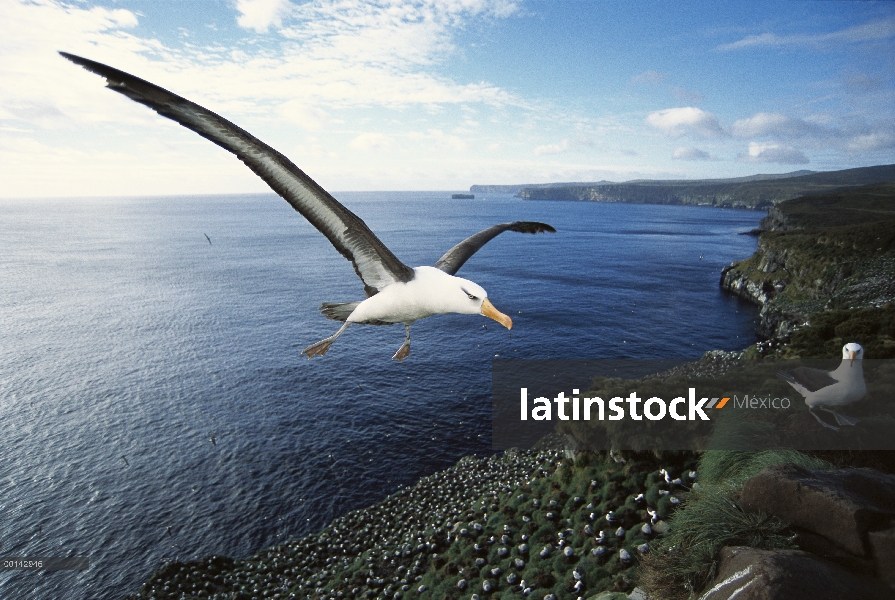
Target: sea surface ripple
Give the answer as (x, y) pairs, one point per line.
(154, 403)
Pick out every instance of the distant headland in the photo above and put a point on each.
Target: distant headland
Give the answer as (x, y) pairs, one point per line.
(753, 192)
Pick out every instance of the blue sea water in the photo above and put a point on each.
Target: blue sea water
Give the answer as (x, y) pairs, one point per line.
(128, 342)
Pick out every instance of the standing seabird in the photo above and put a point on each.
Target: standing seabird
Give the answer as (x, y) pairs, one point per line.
(395, 292)
(840, 387)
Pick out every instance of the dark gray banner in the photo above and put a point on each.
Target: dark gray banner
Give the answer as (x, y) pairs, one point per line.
(642, 405)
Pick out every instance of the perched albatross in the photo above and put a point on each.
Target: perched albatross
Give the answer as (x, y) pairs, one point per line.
(840, 387)
(395, 292)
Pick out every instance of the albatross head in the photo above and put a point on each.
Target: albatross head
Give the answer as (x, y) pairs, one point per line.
(852, 351)
(470, 298)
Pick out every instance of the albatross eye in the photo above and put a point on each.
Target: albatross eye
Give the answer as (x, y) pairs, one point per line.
(471, 297)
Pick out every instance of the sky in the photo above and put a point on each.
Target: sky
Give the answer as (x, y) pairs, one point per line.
(443, 94)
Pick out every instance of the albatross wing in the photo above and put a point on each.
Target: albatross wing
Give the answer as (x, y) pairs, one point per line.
(373, 262)
(808, 379)
(454, 258)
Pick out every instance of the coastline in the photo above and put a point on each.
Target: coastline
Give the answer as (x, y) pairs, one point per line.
(443, 536)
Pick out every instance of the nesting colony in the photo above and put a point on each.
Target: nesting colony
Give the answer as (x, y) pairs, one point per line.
(526, 523)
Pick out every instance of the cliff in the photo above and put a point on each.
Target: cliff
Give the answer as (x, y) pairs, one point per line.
(818, 252)
(515, 188)
(755, 192)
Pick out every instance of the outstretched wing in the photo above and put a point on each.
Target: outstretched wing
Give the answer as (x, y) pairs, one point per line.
(373, 262)
(809, 379)
(454, 258)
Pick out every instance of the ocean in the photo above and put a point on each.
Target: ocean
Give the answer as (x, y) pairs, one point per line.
(154, 404)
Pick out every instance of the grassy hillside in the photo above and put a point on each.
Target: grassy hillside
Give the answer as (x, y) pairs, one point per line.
(821, 252)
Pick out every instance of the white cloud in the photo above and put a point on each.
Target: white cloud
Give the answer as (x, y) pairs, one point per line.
(775, 124)
(371, 141)
(557, 148)
(261, 15)
(440, 139)
(305, 116)
(773, 153)
(875, 30)
(686, 121)
(326, 63)
(870, 142)
(690, 153)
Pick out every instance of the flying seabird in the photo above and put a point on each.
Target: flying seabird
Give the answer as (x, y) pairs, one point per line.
(208, 238)
(395, 292)
(822, 388)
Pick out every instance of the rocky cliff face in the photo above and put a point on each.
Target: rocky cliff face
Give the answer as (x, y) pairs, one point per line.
(772, 323)
(799, 270)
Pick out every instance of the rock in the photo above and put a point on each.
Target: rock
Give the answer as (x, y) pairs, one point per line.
(882, 546)
(610, 596)
(637, 594)
(841, 506)
(751, 574)
(824, 548)
(660, 527)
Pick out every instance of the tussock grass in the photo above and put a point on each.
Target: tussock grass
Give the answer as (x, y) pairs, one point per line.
(685, 560)
(730, 469)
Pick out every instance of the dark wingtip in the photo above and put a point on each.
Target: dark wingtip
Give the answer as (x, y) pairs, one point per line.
(531, 227)
(74, 58)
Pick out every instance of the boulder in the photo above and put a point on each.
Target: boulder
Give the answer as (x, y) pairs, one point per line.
(882, 546)
(751, 574)
(841, 506)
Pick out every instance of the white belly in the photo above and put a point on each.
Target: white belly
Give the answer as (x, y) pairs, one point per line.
(391, 307)
(430, 292)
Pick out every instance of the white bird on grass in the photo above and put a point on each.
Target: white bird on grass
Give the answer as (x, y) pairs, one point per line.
(840, 387)
(395, 292)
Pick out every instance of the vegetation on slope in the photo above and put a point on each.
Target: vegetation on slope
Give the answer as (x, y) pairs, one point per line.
(829, 251)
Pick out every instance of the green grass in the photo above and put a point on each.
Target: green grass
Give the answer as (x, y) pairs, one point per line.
(873, 328)
(570, 486)
(685, 560)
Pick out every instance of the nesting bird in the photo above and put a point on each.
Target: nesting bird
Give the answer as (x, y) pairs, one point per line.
(840, 387)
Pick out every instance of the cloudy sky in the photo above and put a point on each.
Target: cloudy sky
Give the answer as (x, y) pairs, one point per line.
(442, 94)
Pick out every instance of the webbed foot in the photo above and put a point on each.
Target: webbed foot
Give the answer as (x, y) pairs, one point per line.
(403, 352)
(843, 420)
(318, 349)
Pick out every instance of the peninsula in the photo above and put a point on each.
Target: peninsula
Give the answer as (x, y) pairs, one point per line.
(753, 192)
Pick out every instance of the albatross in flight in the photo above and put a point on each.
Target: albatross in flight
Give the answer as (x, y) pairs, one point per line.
(840, 387)
(395, 292)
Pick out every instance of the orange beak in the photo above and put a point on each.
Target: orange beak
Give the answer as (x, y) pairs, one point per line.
(851, 355)
(489, 311)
